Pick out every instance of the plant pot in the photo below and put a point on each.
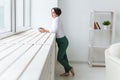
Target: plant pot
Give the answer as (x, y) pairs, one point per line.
(105, 27)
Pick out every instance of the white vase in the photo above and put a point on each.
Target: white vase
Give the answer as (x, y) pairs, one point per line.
(106, 27)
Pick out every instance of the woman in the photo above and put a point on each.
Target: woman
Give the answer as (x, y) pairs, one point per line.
(61, 40)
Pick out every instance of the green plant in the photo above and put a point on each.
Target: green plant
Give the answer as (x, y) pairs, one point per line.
(106, 23)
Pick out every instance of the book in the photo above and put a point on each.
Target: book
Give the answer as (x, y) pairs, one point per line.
(95, 26)
(98, 26)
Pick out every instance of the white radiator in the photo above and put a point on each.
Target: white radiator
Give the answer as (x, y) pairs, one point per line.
(28, 56)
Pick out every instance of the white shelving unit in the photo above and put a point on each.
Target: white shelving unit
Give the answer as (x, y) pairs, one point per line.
(100, 38)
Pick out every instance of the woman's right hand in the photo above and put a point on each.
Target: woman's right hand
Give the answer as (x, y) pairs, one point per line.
(41, 30)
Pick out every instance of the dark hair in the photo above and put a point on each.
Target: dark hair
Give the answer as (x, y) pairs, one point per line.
(57, 10)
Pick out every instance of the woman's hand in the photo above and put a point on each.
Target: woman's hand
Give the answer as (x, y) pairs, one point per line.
(43, 30)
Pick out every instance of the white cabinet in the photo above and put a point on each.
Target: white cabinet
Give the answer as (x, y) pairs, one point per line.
(100, 38)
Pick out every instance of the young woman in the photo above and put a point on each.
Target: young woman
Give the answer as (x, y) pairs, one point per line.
(61, 40)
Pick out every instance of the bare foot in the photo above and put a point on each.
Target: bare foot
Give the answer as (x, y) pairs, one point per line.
(64, 74)
(72, 72)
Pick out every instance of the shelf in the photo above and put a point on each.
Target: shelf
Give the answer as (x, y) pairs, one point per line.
(100, 38)
(98, 46)
(106, 12)
(99, 43)
(98, 64)
(100, 30)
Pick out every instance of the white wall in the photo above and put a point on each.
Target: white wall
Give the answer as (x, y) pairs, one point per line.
(76, 17)
(41, 12)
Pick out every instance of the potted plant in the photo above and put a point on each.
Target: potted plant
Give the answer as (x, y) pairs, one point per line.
(106, 24)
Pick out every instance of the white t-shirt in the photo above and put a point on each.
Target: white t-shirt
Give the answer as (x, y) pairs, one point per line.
(57, 27)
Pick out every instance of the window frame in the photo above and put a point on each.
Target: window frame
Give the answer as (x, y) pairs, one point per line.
(13, 25)
(11, 32)
(23, 27)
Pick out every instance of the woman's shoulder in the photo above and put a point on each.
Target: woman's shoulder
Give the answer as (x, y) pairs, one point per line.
(57, 19)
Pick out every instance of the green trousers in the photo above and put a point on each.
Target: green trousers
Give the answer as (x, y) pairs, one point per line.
(62, 56)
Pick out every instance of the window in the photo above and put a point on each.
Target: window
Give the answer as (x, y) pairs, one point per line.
(5, 16)
(15, 16)
(27, 13)
(23, 15)
(19, 13)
